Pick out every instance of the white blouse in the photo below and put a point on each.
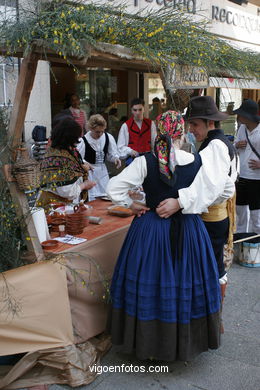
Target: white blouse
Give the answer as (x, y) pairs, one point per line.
(98, 146)
(71, 191)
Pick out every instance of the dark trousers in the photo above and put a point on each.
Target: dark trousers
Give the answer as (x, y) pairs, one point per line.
(218, 233)
(248, 193)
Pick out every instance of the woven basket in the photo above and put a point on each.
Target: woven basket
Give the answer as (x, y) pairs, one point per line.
(26, 171)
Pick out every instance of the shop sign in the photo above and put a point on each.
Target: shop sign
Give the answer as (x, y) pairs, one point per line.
(186, 5)
(186, 77)
(234, 18)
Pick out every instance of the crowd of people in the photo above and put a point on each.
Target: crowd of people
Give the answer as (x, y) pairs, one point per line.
(170, 280)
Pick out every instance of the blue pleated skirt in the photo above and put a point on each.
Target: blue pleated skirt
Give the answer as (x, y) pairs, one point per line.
(174, 291)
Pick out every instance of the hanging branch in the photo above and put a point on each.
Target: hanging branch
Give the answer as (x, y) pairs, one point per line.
(69, 29)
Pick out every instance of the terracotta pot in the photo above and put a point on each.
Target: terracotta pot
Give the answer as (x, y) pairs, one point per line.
(50, 244)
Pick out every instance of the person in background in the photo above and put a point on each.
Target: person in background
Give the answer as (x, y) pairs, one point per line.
(64, 174)
(95, 147)
(156, 108)
(163, 104)
(247, 142)
(189, 139)
(165, 290)
(136, 135)
(215, 181)
(72, 107)
(113, 122)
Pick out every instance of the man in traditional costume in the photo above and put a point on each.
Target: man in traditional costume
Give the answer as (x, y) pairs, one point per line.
(211, 193)
(136, 135)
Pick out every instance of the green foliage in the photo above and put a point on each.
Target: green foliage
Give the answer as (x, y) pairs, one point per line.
(161, 38)
(11, 241)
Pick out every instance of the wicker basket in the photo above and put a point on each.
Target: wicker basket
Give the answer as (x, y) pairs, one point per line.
(26, 171)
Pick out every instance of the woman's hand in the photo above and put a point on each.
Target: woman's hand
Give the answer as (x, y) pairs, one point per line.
(87, 185)
(135, 195)
(87, 167)
(138, 209)
(117, 163)
(168, 207)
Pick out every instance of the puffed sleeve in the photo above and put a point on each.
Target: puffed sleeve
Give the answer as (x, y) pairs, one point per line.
(70, 191)
(132, 176)
(210, 181)
(112, 152)
(122, 142)
(81, 148)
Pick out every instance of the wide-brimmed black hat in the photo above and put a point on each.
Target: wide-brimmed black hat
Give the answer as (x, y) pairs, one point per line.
(249, 110)
(204, 107)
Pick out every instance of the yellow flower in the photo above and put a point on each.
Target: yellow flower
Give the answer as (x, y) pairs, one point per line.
(28, 238)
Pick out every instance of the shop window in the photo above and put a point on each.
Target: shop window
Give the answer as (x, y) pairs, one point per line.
(8, 80)
(94, 87)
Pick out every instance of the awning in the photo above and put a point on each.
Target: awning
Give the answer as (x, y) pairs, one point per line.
(223, 82)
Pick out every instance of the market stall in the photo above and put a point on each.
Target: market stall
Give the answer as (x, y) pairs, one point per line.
(66, 317)
(60, 33)
(90, 268)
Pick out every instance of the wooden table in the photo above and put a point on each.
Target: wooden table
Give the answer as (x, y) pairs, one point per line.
(90, 268)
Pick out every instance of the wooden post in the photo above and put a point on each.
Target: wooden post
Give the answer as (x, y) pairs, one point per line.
(22, 95)
(21, 100)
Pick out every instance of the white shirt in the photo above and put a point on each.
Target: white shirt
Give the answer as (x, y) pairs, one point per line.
(212, 184)
(123, 139)
(246, 154)
(98, 146)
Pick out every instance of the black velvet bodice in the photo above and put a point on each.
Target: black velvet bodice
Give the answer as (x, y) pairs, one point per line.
(156, 190)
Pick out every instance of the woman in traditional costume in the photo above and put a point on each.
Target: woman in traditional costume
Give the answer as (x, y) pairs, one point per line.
(165, 289)
(64, 174)
(96, 147)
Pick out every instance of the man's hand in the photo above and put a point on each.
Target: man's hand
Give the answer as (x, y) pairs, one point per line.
(168, 207)
(241, 144)
(138, 209)
(254, 164)
(117, 163)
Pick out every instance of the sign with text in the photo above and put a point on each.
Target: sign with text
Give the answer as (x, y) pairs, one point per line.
(185, 77)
